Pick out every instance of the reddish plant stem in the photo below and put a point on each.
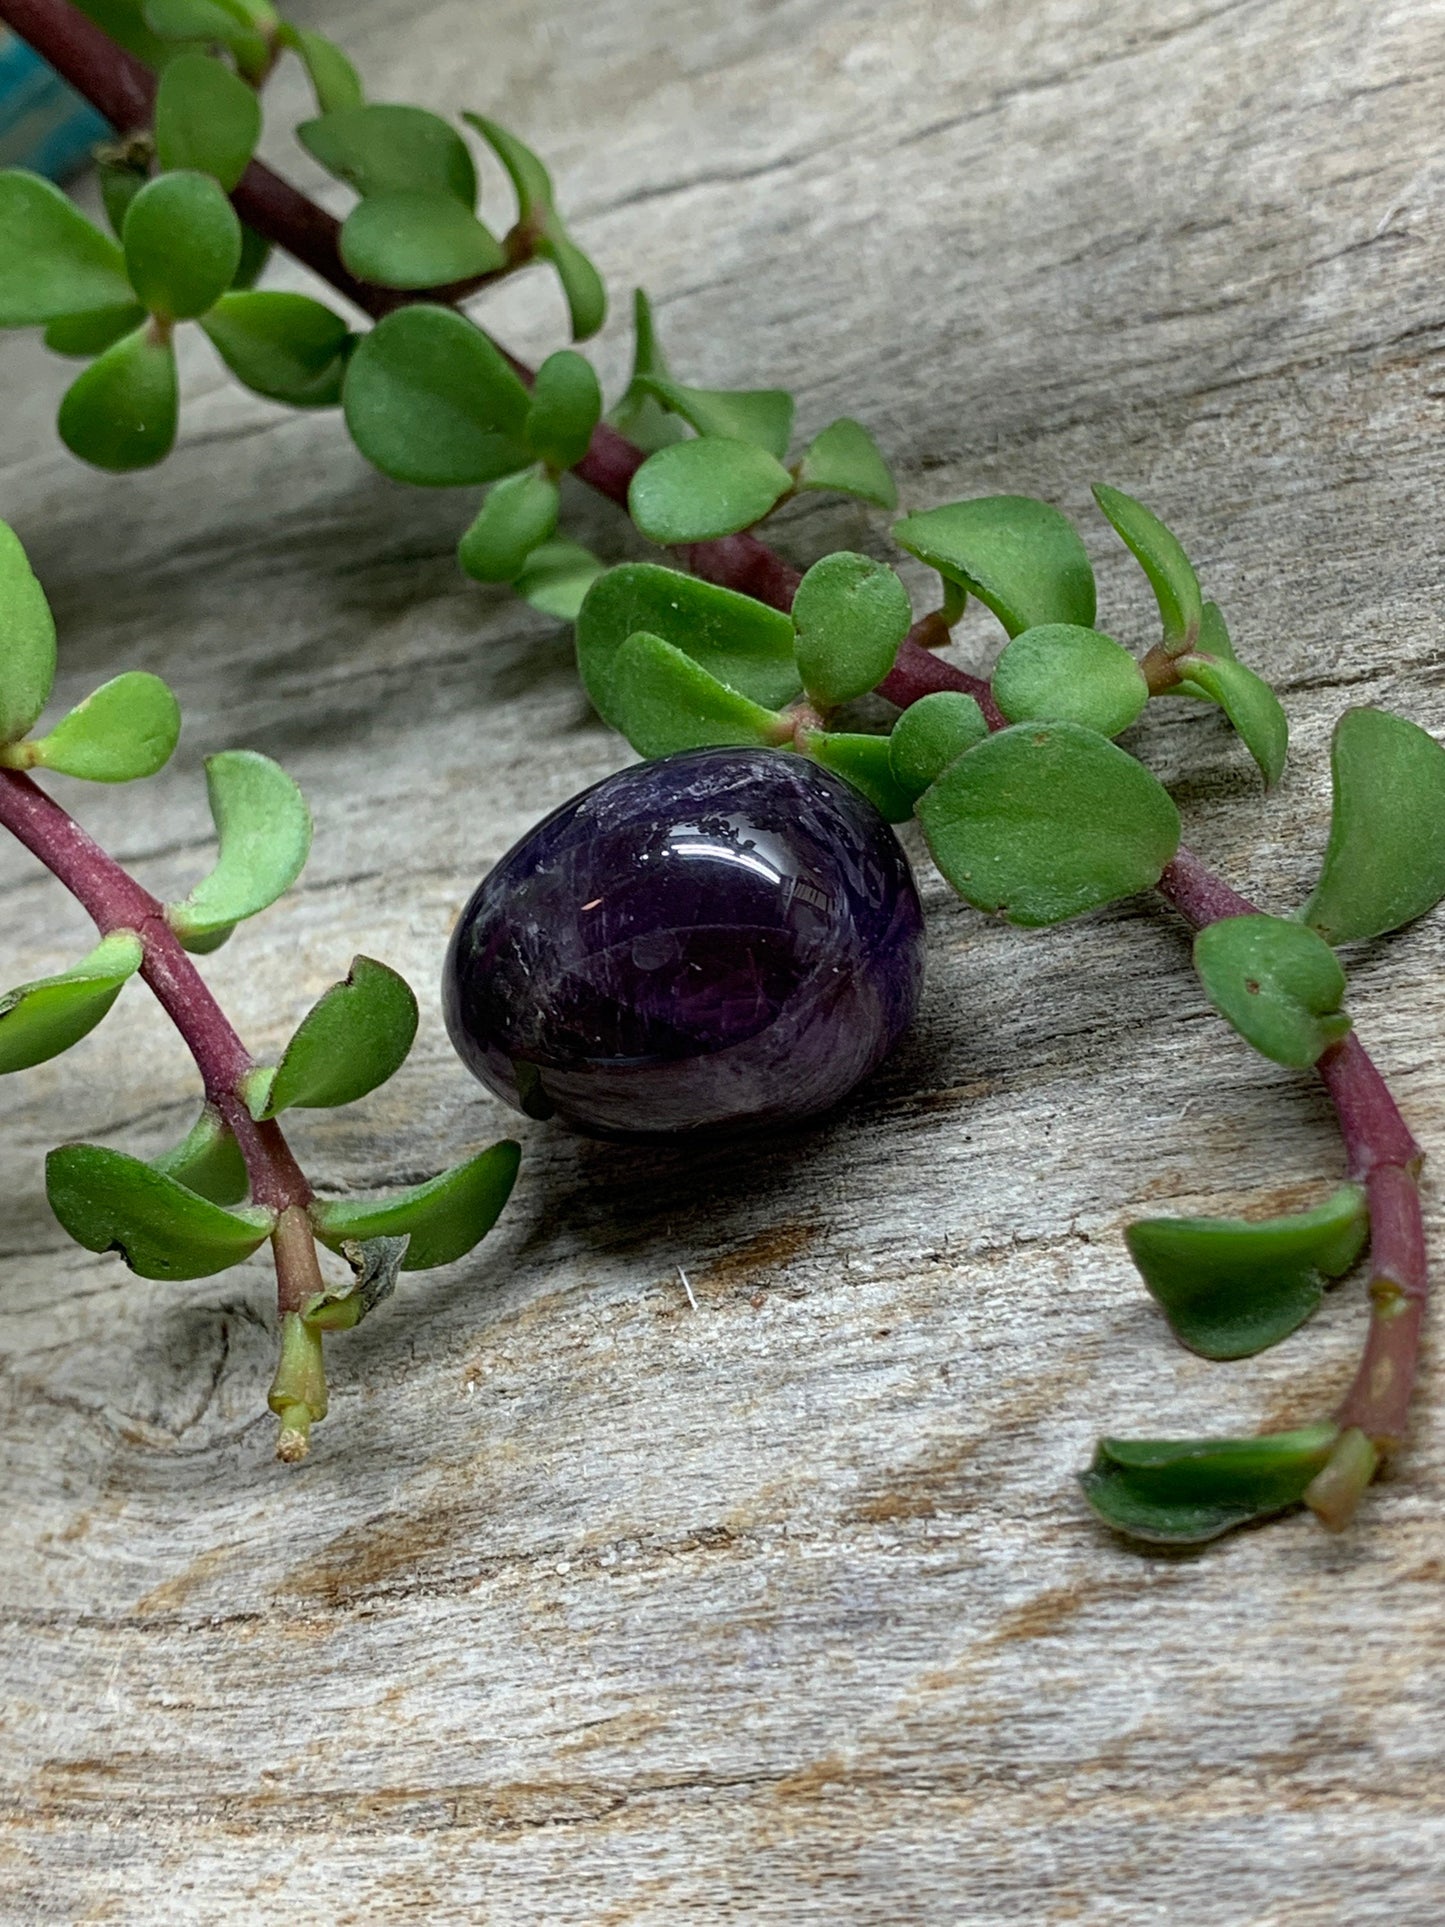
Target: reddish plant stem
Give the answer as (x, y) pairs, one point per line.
(117, 902)
(1381, 1153)
(1378, 1144)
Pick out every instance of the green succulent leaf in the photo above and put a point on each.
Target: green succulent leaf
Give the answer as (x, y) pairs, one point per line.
(1046, 820)
(864, 762)
(932, 733)
(182, 244)
(566, 407)
(743, 643)
(1385, 863)
(415, 240)
(1021, 558)
(110, 1202)
(334, 80)
(1277, 982)
(121, 412)
(556, 579)
(760, 415)
(53, 262)
(352, 1039)
(207, 118)
(207, 1161)
(1161, 556)
(846, 459)
(230, 22)
(669, 702)
(120, 182)
(1251, 706)
(124, 21)
(126, 729)
(1060, 672)
(255, 253)
(698, 490)
(443, 1219)
(264, 830)
(27, 640)
(582, 286)
(537, 214)
(88, 335)
(1185, 1491)
(851, 613)
(429, 400)
(517, 517)
(284, 346)
(640, 416)
(380, 149)
(40, 1020)
(1230, 1287)
(1213, 641)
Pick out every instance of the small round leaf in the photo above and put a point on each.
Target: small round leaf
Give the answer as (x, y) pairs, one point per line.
(264, 830)
(1021, 558)
(566, 407)
(517, 517)
(1061, 672)
(27, 640)
(761, 415)
(1385, 864)
(1231, 1287)
(932, 733)
(699, 490)
(207, 118)
(121, 412)
(429, 400)
(333, 78)
(1161, 556)
(556, 579)
(88, 335)
(285, 346)
(110, 1202)
(582, 285)
(416, 240)
(743, 643)
(40, 1020)
(845, 458)
(1251, 706)
(53, 261)
(1185, 1491)
(443, 1219)
(1277, 983)
(182, 244)
(382, 149)
(351, 1041)
(1046, 820)
(864, 762)
(127, 729)
(665, 701)
(851, 613)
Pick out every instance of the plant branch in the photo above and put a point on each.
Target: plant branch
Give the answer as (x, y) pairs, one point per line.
(116, 901)
(1378, 1144)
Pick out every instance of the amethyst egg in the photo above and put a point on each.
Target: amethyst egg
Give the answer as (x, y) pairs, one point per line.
(722, 938)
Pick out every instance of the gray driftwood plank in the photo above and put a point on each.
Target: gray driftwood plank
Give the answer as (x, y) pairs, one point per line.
(590, 1607)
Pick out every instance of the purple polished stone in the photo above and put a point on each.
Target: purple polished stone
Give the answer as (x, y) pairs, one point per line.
(722, 938)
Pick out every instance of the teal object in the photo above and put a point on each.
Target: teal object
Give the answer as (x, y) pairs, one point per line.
(44, 125)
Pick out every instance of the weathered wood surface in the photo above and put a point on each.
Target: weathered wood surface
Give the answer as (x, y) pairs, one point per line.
(590, 1607)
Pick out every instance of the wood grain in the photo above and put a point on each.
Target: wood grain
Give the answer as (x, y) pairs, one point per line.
(589, 1607)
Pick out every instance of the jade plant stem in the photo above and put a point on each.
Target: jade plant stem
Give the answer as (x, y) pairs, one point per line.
(1380, 1151)
(116, 901)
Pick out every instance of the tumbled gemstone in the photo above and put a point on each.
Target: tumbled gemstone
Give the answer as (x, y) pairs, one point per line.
(723, 938)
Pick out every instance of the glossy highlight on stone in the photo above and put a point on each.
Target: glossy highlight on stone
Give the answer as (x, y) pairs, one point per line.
(717, 939)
